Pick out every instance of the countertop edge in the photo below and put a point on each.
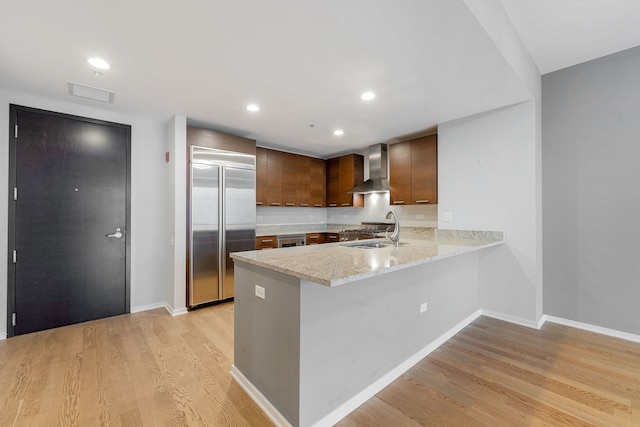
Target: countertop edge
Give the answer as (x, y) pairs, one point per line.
(360, 276)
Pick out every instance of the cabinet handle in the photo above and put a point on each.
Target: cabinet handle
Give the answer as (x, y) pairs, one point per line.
(318, 205)
(346, 204)
(313, 237)
(332, 205)
(398, 202)
(304, 204)
(289, 204)
(258, 203)
(267, 241)
(333, 237)
(275, 204)
(422, 201)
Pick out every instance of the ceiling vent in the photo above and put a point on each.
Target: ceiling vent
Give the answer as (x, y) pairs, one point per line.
(90, 92)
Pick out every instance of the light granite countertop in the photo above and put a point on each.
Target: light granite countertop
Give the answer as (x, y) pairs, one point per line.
(334, 264)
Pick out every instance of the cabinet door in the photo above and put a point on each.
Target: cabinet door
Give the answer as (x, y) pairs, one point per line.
(289, 186)
(356, 178)
(424, 170)
(333, 182)
(346, 180)
(317, 185)
(351, 174)
(303, 181)
(274, 178)
(332, 237)
(266, 242)
(315, 238)
(261, 176)
(400, 173)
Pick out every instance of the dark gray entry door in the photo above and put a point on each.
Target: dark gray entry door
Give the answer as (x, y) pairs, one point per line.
(70, 220)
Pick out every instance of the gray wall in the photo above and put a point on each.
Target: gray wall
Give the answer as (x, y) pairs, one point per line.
(591, 192)
(267, 335)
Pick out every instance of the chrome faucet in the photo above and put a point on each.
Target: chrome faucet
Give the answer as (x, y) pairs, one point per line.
(395, 236)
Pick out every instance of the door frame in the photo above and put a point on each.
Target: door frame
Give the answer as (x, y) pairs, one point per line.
(11, 270)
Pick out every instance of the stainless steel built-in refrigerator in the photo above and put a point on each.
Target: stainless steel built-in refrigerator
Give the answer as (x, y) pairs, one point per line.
(222, 220)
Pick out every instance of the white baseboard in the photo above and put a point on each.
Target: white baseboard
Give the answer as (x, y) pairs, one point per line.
(591, 328)
(139, 308)
(366, 394)
(350, 405)
(274, 415)
(176, 311)
(512, 319)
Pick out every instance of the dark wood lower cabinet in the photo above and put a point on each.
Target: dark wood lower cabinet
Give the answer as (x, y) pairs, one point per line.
(315, 238)
(332, 237)
(266, 242)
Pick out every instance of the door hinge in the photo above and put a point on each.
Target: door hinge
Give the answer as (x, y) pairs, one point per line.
(15, 193)
(16, 132)
(15, 256)
(13, 319)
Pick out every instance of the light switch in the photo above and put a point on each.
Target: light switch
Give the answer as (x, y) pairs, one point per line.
(260, 293)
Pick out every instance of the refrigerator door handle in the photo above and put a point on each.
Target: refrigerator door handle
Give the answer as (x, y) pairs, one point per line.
(222, 232)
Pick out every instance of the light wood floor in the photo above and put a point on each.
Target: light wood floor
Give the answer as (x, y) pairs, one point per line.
(151, 369)
(143, 369)
(495, 373)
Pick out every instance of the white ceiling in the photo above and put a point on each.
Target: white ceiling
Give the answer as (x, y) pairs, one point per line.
(304, 62)
(562, 33)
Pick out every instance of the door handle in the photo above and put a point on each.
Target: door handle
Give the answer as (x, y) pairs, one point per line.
(117, 234)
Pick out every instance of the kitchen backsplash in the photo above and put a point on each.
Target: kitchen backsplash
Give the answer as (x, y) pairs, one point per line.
(375, 208)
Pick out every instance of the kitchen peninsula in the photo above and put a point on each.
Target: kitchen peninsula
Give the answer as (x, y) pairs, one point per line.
(319, 329)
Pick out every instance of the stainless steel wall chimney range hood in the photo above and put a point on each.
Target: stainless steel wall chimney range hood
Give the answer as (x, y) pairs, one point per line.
(377, 182)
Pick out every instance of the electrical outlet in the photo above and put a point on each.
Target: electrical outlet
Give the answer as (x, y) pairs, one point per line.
(419, 216)
(447, 216)
(423, 307)
(260, 293)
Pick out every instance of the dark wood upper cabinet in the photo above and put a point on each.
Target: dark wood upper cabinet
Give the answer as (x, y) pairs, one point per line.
(261, 176)
(400, 173)
(333, 182)
(344, 173)
(286, 179)
(303, 181)
(289, 183)
(317, 175)
(424, 170)
(222, 141)
(275, 160)
(413, 171)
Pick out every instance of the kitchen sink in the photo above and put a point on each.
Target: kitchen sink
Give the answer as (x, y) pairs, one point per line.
(369, 245)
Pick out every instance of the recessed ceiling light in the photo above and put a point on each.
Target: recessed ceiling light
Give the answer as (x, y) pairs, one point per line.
(99, 63)
(253, 107)
(367, 96)
(338, 132)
